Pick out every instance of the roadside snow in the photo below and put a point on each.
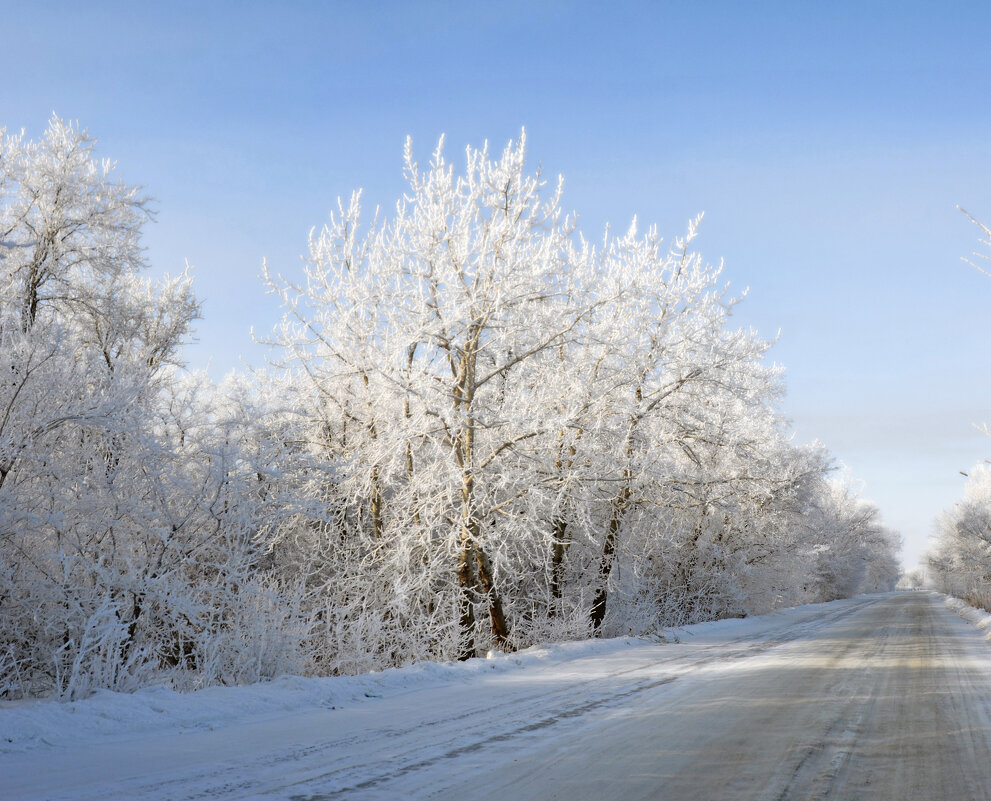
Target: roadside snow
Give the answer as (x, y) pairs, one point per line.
(884, 697)
(971, 614)
(159, 711)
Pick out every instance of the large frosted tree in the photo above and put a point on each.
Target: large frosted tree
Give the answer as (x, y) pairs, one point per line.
(430, 335)
(501, 420)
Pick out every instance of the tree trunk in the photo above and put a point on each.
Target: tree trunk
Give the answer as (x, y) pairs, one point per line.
(559, 546)
(598, 613)
(376, 499)
(466, 600)
(475, 576)
(470, 576)
(497, 618)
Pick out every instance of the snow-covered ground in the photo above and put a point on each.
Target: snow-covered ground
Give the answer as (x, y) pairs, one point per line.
(754, 708)
(108, 716)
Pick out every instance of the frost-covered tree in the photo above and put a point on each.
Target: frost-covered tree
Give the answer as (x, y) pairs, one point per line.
(985, 242)
(125, 534)
(425, 339)
(851, 550)
(498, 421)
(959, 560)
(482, 430)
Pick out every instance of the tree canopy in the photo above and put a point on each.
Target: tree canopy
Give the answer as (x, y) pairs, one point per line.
(479, 429)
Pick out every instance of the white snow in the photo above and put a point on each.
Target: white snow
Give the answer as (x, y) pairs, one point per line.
(408, 729)
(971, 614)
(159, 711)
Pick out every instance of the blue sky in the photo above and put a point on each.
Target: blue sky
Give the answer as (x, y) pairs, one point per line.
(828, 146)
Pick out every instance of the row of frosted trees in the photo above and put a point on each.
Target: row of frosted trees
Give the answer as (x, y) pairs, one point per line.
(959, 559)
(484, 431)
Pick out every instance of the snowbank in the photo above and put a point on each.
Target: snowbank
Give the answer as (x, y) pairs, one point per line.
(971, 614)
(109, 716)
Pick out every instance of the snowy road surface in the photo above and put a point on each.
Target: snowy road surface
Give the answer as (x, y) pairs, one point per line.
(880, 697)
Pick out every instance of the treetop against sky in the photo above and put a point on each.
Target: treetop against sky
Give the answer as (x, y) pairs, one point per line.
(828, 147)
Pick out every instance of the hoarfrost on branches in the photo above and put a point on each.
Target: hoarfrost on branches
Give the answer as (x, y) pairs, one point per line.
(525, 435)
(480, 430)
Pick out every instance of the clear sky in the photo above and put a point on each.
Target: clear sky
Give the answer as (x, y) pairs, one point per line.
(828, 144)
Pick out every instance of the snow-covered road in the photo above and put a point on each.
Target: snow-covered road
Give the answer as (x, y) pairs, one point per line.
(876, 697)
